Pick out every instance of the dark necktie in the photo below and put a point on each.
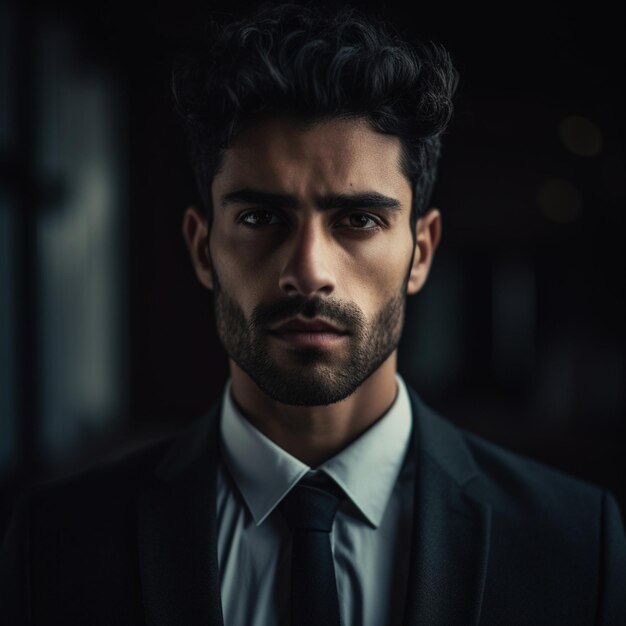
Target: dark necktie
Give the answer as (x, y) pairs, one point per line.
(309, 510)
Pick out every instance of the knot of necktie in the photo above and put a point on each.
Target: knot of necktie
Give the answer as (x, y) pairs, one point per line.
(312, 505)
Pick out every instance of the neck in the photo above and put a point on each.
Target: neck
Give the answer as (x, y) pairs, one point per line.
(314, 434)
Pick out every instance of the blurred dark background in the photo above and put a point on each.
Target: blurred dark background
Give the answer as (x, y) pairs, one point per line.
(106, 338)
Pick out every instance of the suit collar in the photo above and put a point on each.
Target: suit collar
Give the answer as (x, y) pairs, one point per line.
(443, 442)
(451, 529)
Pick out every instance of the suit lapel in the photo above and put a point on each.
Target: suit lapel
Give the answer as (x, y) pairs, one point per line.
(450, 543)
(177, 534)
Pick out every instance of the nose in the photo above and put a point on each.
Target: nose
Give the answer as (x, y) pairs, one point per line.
(308, 267)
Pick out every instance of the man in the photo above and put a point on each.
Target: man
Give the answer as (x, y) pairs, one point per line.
(320, 489)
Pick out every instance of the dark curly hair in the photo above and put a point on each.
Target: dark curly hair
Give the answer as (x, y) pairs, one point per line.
(316, 63)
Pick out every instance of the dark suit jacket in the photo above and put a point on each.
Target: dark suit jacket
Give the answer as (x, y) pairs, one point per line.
(497, 540)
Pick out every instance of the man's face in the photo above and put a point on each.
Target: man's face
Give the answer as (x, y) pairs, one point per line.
(311, 251)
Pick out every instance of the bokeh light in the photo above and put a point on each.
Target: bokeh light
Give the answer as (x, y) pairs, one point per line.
(580, 135)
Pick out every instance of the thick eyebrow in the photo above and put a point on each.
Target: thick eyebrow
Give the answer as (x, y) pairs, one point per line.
(363, 200)
(263, 198)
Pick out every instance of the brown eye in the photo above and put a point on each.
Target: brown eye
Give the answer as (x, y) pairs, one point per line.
(362, 221)
(260, 217)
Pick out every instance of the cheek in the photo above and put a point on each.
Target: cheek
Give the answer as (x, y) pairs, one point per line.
(241, 268)
(379, 269)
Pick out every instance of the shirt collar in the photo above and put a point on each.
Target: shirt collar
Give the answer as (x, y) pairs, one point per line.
(367, 470)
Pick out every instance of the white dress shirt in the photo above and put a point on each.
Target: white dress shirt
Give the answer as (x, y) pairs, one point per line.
(370, 539)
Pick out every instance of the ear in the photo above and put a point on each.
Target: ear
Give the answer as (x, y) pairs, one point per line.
(196, 234)
(427, 236)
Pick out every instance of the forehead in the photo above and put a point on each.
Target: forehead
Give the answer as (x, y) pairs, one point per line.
(307, 160)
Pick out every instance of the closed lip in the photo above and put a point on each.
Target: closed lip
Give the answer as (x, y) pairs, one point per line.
(307, 326)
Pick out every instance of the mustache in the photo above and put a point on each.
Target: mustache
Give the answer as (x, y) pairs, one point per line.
(344, 314)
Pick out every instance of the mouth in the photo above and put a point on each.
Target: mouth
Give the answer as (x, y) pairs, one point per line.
(308, 333)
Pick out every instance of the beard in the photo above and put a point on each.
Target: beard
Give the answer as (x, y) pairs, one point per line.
(308, 376)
